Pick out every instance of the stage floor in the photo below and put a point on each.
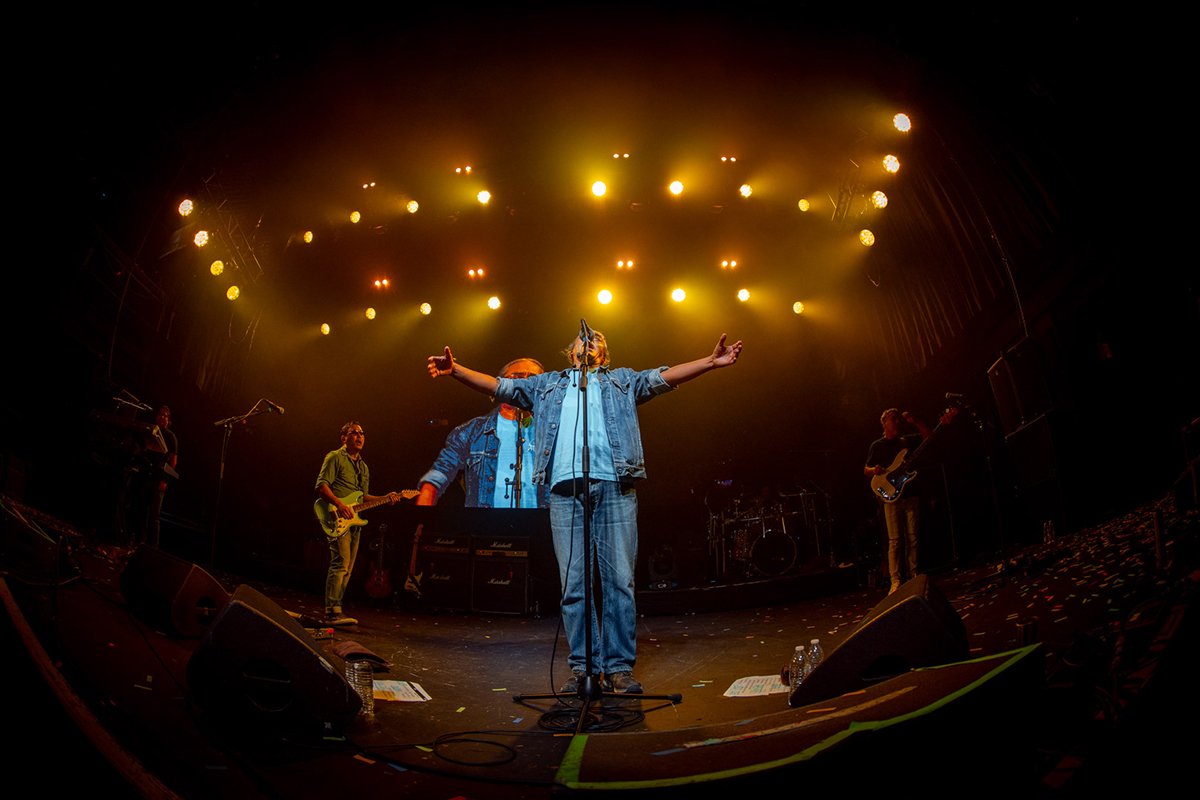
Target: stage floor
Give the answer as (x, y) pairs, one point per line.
(132, 679)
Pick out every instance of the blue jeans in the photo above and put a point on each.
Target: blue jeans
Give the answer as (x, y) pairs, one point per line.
(614, 540)
(342, 553)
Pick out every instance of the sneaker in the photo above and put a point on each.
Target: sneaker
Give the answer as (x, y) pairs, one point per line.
(624, 683)
(572, 684)
(339, 620)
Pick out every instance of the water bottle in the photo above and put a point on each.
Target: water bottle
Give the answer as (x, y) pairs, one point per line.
(796, 668)
(362, 678)
(813, 657)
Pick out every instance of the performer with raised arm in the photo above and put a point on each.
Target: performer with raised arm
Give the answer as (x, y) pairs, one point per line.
(484, 450)
(615, 444)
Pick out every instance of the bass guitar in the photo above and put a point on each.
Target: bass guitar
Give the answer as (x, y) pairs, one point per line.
(889, 485)
(335, 527)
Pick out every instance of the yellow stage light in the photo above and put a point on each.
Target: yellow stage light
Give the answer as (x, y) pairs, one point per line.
(308, 237)
(605, 297)
(879, 200)
(378, 284)
(385, 281)
(217, 267)
(426, 308)
(598, 188)
(678, 295)
(866, 237)
(891, 164)
(355, 216)
(412, 206)
(201, 238)
(676, 187)
(743, 295)
(797, 307)
(745, 190)
(493, 303)
(902, 123)
(803, 205)
(484, 196)
(232, 292)
(185, 208)
(324, 328)
(370, 313)
(468, 169)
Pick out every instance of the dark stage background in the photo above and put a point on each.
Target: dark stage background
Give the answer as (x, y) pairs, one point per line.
(1008, 224)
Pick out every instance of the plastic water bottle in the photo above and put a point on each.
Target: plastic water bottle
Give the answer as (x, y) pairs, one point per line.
(813, 657)
(796, 668)
(362, 678)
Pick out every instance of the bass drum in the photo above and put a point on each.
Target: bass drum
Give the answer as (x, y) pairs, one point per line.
(773, 553)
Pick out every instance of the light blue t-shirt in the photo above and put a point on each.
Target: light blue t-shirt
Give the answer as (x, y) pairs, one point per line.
(568, 446)
(506, 458)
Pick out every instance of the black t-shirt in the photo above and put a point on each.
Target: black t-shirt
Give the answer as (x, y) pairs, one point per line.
(884, 451)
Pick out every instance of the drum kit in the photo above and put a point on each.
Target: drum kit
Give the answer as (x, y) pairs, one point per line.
(765, 535)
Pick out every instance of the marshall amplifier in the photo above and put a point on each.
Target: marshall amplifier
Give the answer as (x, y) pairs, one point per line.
(445, 566)
(500, 574)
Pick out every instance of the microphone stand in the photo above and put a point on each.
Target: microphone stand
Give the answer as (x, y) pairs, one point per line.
(228, 424)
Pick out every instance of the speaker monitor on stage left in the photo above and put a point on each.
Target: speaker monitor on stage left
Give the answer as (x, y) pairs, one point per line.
(257, 668)
(171, 594)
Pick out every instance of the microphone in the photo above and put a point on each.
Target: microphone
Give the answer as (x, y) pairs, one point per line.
(953, 396)
(274, 406)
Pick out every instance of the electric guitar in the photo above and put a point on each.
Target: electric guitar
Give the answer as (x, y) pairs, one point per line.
(379, 585)
(413, 582)
(334, 526)
(889, 485)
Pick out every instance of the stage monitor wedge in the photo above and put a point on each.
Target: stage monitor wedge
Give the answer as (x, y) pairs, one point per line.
(913, 627)
(257, 668)
(171, 594)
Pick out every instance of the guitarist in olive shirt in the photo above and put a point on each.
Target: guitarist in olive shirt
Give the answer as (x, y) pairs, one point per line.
(900, 514)
(343, 473)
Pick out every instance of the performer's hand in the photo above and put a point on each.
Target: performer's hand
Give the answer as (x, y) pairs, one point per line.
(441, 365)
(909, 418)
(726, 356)
(428, 495)
(343, 510)
(393, 498)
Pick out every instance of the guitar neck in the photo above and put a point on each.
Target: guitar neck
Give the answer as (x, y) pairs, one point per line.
(366, 504)
(916, 454)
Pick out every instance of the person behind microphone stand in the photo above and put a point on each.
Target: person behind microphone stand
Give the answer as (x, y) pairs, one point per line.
(614, 440)
(485, 448)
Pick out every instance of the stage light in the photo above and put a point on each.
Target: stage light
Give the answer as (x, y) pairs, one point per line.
(678, 295)
(324, 328)
(458, 169)
(385, 282)
(201, 238)
(378, 284)
(723, 158)
(616, 155)
(370, 313)
(797, 307)
(605, 297)
(676, 187)
(624, 264)
(743, 295)
(803, 205)
(866, 237)
(308, 237)
(879, 200)
(484, 196)
(626, 155)
(902, 123)
(185, 208)
(217, 267)
(891, 164)
(724, 264)
(745, 190)
(412, 206)
(232, 292)
(355, 216)
(733, 158)
(468, 169)
(426, 308)
(598, 188)
(493, 303)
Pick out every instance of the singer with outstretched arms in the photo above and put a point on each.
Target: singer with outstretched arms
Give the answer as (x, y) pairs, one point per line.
(615, 444)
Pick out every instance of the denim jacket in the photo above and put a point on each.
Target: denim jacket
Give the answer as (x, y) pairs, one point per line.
(621, 391)
(472, 448)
